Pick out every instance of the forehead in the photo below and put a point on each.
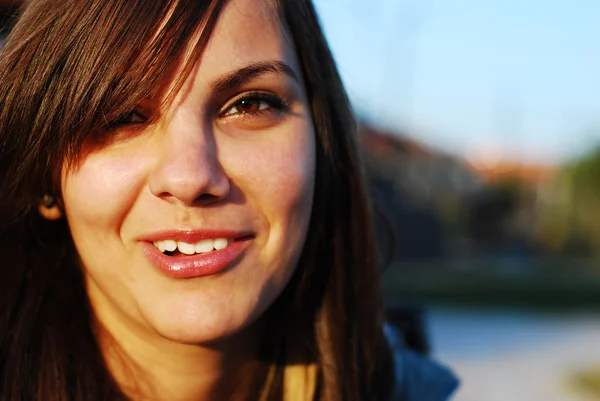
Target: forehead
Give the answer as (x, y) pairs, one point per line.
(248, 31)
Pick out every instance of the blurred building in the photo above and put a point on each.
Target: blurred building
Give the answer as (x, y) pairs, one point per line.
(442, 206)
(417, 190)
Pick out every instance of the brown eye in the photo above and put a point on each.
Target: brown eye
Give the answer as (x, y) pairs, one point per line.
(134, 117)
(250, 105)
(254, 103)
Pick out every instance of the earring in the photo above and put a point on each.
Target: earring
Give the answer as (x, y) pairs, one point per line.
(48, 201)
(48, 208)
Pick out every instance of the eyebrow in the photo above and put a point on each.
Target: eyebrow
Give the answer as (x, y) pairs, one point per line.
(238, 77)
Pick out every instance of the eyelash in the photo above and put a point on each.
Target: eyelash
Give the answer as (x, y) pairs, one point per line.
(274, 104)
(126, 119)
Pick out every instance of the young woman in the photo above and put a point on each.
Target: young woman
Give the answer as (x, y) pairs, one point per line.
(182, 213)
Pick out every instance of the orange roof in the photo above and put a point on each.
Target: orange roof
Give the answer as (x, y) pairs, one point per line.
(531, 173)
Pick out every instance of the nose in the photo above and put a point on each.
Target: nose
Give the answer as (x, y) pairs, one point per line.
(188, 167)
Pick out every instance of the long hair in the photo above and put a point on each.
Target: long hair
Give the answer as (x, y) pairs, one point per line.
(68, 67)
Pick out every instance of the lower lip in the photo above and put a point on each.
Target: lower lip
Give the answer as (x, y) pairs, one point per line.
(203, 264)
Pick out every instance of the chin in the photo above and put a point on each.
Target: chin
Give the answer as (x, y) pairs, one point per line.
(194, 335)
(202, 325)
(194, 332)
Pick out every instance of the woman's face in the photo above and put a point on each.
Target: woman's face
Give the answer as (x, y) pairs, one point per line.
(225, 175)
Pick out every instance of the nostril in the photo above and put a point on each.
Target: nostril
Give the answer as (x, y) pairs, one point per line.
(198, 184)
(207, 198)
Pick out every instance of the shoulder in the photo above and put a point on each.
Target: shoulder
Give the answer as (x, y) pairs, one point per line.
(418, 378)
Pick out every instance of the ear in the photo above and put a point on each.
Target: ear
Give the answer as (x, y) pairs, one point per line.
(49, 209)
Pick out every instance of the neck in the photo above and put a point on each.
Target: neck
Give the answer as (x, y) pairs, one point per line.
(150, 368)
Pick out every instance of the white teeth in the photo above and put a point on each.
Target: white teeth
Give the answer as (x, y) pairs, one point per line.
(170, 245)
(220, 243)
(203, 246)
(206, 245)
(166, 245)
(186, 249)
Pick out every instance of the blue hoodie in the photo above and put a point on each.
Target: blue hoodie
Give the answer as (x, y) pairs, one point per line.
(418, 378)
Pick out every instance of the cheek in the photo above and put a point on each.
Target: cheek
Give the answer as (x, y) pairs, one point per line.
(277, 177)
(285, 181)
(99, 193)
(287, 193)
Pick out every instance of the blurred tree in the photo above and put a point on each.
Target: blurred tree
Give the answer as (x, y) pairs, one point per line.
(584, 177)
(569, 221)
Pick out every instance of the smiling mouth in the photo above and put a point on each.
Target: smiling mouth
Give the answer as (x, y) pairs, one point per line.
(182, 248)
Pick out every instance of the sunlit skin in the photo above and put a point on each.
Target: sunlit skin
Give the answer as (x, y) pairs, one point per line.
(209, 161)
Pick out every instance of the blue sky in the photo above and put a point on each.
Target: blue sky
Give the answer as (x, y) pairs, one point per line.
(517, 79)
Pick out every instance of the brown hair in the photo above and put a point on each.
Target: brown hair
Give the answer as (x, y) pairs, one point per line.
(70, 66)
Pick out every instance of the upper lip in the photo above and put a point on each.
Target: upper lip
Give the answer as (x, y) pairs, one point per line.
(192, 236)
